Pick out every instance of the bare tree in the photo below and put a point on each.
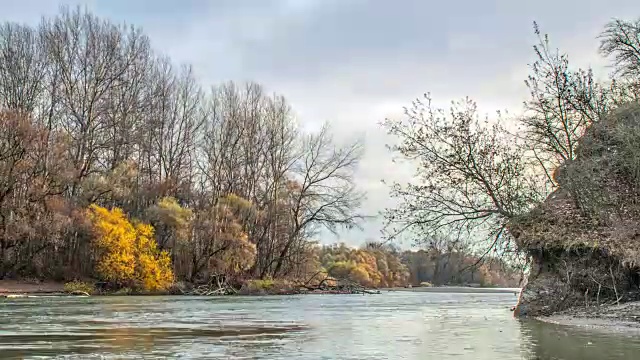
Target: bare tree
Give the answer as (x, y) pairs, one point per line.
(562, 105)
(323, 193)
(621, 41)
(22, 67)
(471, 177)
(90, 57)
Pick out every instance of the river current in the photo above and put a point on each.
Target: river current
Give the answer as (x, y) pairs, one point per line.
(391, 325)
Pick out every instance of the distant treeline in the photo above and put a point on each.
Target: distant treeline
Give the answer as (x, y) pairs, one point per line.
(376, 265)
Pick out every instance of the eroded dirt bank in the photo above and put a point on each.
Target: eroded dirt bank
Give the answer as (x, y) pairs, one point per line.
(23, 287)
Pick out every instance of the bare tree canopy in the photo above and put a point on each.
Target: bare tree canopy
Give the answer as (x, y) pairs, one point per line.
(471, 176)
(621, 41)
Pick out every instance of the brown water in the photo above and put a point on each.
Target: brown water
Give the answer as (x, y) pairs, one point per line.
(392, 325)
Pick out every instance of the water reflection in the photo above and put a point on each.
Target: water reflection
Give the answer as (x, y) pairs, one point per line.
(121, 341)
(127, 327)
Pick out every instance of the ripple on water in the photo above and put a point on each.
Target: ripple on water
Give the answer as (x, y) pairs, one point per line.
(395, 325)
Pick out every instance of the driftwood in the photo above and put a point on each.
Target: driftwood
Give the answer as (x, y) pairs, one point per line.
(208, 290)
(217, 285)
(342, 286)
(79, 293)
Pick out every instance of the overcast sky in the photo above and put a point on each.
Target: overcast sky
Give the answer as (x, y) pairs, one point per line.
(355, 62)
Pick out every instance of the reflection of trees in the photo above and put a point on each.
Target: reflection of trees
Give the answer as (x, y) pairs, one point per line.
(546, 341)
(123, 339)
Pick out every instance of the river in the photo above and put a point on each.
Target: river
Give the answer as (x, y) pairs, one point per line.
(391, 325)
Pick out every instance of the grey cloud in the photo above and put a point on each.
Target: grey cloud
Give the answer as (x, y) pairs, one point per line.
(354, 62)
(370, 32)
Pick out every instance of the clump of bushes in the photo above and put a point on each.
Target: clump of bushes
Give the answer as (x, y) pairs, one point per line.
(267, 286)
(124, 291)
(128, 253)
(257, 287)
(76, 286)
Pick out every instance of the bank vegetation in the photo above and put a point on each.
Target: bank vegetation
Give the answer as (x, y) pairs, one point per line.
(117, 165)
(120, 172)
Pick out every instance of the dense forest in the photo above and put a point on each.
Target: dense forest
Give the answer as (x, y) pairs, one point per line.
(117, 166)
(105, 143)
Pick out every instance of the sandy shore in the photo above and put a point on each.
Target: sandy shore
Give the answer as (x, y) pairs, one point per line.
(618, 318)
(22, 287)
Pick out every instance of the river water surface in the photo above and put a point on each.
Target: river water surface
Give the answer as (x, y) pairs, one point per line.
(392, 325)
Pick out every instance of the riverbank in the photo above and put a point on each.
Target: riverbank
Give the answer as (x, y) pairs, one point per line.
(12, 287)
(256, 287)
(611, 318)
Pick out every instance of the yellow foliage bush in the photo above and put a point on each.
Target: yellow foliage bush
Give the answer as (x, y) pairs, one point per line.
(154, 267)
(128, 253)
(360, 275)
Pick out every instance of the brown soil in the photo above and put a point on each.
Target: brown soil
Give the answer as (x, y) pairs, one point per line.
(25, 287)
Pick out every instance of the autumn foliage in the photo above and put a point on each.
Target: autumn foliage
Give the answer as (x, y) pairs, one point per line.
(117, 166)
(370, 267)
(127, 252)
(229, 182)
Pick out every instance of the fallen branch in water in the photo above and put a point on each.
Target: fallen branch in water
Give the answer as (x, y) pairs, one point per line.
(219, 287)
(342, 286)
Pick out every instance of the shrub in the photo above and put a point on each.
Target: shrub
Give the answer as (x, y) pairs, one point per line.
(128, 253)
(154, 267)
(258, 285)
(124, 291)
(79, 286)
(267, 286)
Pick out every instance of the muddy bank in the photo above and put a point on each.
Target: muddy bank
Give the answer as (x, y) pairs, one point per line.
(583, 240)
(8, 287)
(562, 280)
(618, 318)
